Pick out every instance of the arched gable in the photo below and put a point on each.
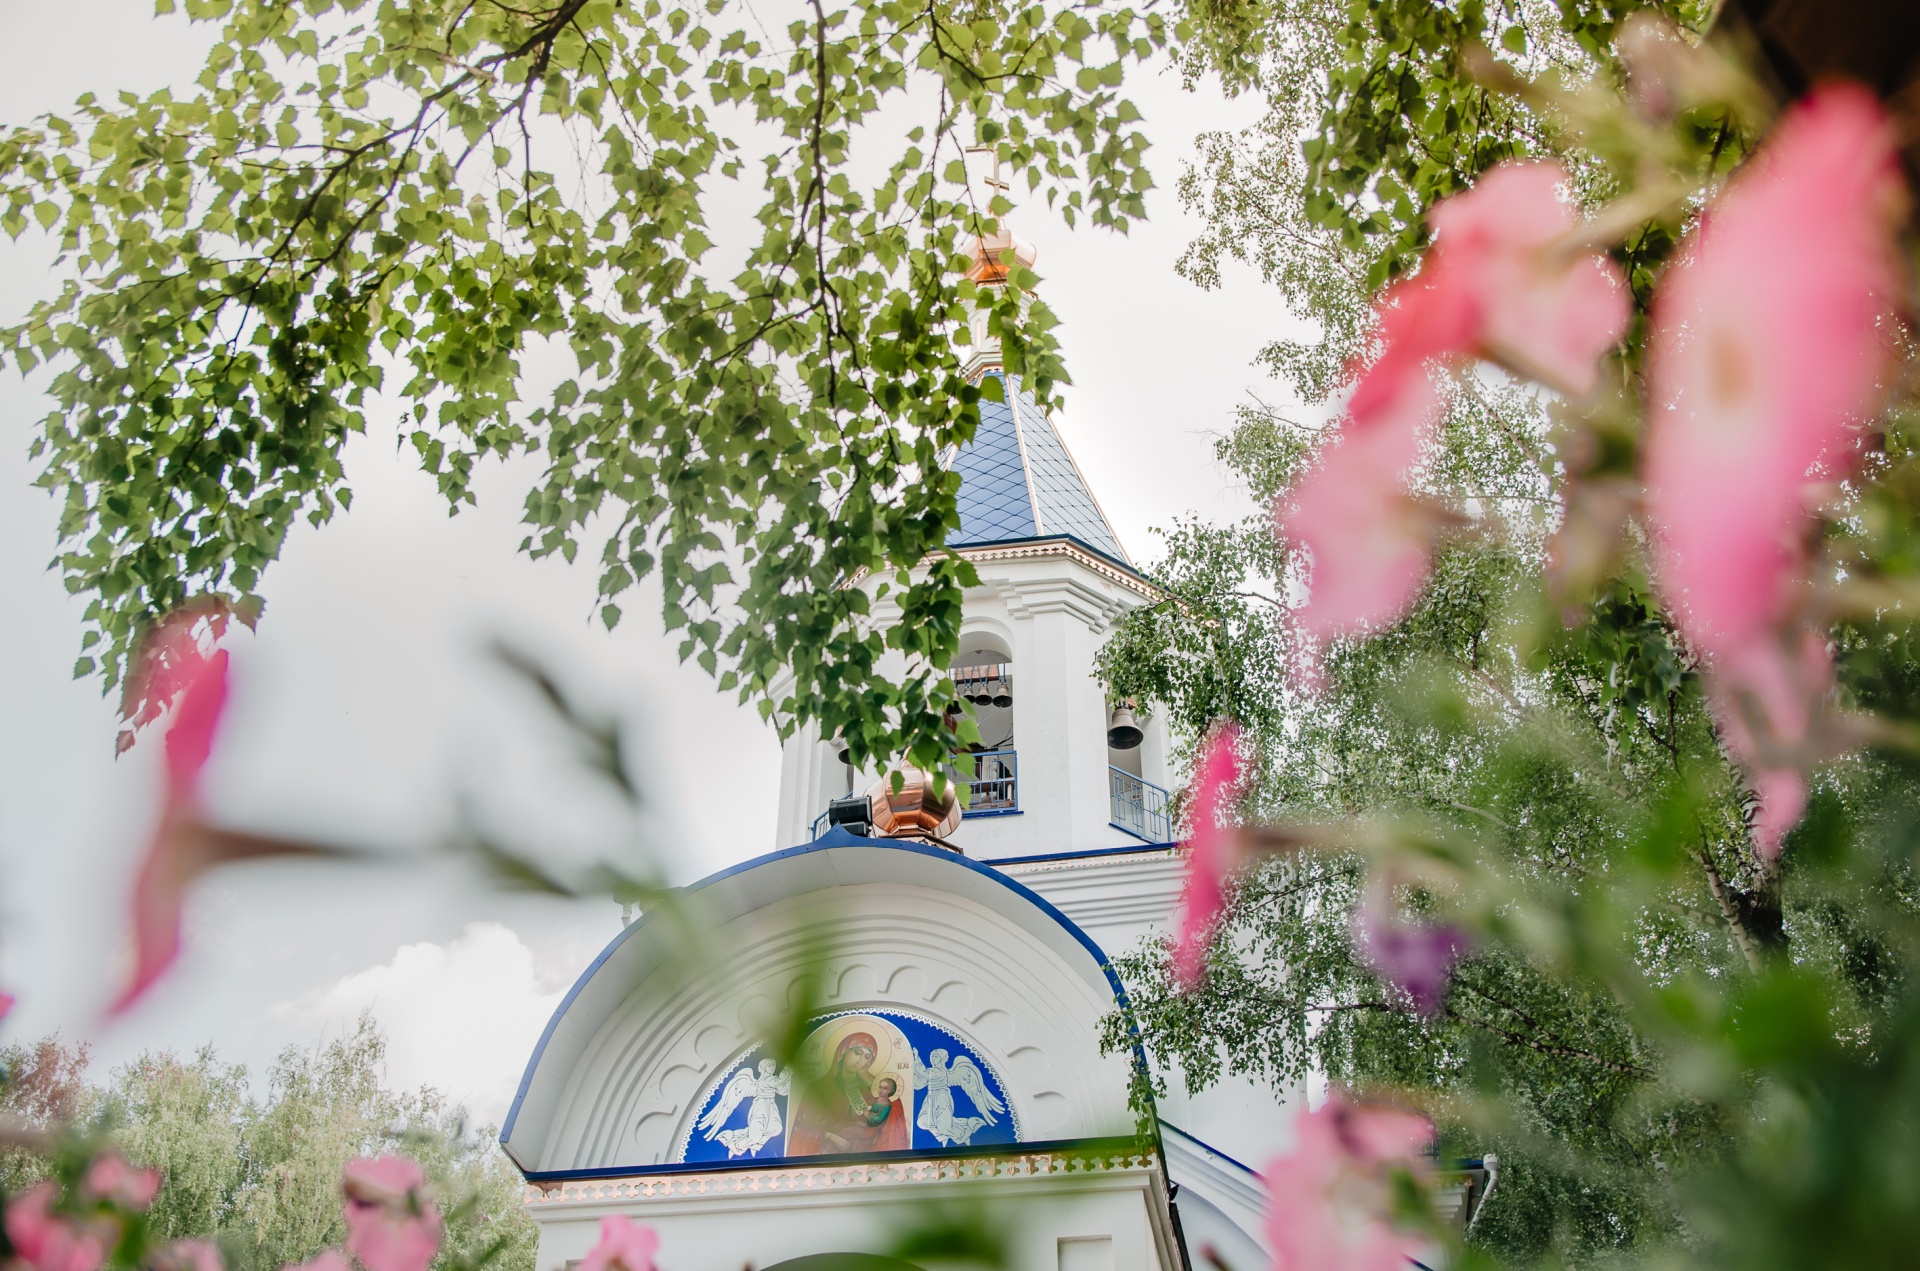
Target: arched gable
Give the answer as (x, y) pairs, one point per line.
(636, 1044)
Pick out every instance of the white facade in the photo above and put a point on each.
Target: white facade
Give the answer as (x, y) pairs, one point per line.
(998, 952)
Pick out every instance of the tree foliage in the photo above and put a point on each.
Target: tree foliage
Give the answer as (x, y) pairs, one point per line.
(368, 203)
(259, 1172)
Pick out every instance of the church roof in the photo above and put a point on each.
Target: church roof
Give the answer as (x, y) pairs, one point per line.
(1019, 482)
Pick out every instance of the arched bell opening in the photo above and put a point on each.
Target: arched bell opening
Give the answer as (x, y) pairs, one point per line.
(983, 676)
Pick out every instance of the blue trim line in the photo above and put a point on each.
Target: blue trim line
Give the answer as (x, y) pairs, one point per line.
(975, 816)
(1063, 1146)
(1126, 850)
(835, 837)
(1194, 1138)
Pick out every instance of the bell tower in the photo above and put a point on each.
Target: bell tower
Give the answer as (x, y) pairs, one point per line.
(1058, 768)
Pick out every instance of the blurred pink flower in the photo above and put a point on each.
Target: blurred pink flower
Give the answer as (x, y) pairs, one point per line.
(1329, 1200)
(624, 1246)
(1498, 283)
(6, 1003)
(1416, 958)
(48, 1241)
(1540, 309)
(1766, 698)
(325, 1260)
(1768, 349)
(199, 1255)
(391, 1224)
(176, 669)
(1368, 540)
(111, 1177)
(1210, 851)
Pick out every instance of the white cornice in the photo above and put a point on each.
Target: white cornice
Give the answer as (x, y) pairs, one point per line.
(794, 1176)
(1063, 549)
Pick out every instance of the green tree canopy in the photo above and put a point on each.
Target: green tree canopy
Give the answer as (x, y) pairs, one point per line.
(259, 1171)
(361, 197)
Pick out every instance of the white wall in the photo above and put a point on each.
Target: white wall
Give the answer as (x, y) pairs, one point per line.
(1108, 1218)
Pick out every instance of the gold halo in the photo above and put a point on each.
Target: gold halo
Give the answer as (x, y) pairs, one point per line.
(830, 1034)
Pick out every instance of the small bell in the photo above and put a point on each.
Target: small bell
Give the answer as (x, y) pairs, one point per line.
(840, 750)
(1123, 732)
(1003, 699)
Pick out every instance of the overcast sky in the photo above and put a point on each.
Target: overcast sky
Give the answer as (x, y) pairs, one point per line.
(362, 708)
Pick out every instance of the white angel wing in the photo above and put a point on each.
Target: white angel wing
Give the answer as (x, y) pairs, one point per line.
(919, 1070)
(741, 1087)
(966, 1075)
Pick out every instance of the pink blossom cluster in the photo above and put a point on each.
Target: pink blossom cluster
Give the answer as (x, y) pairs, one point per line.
(392, 1224)
(49, 1236)
(1330, 1199)
(1497, 284)
(1770, 345)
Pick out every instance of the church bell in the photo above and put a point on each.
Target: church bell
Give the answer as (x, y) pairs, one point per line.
(1123, 732)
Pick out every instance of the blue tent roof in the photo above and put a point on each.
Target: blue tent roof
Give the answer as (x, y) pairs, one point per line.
(1017, 481)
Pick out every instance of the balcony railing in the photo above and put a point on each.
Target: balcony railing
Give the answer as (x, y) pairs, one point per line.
(993, 776)
(1138, 807)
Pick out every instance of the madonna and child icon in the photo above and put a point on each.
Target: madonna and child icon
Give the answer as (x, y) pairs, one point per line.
(857, 1084)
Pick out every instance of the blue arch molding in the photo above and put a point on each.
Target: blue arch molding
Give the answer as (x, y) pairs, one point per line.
(836, 837)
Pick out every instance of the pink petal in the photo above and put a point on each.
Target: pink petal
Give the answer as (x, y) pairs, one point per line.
(1765, 698)
(325, 1260)
(1547, 318)
(1328, 1200)
(391, 1225)
(1493, 285)
(1210, 854)
(200, 682)
(1768, 348)
(196, 717)
(1351, 512)
(196, 1255)
(624, 1246)
(48, 1241)
(111, 1177)
(7, 1001)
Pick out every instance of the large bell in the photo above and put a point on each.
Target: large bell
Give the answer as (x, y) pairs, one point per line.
(1123, 732)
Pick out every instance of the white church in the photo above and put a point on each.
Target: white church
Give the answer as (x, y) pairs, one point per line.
(954, 1055)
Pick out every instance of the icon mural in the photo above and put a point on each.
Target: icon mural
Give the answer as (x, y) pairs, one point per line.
(865, 1081)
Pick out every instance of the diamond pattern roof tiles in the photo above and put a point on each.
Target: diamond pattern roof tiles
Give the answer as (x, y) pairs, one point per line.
(995, 504)
(1018, 481)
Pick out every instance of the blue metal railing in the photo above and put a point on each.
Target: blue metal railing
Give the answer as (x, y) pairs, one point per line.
(1137, 806)
(993, 777)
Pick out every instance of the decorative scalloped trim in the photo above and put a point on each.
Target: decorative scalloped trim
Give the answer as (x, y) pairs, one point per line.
(791, 1177)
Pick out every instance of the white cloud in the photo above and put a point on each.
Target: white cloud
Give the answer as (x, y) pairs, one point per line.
(462, 1016)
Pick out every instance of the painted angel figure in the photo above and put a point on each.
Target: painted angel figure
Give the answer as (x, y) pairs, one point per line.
(763, 1115)
(936, 1110)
